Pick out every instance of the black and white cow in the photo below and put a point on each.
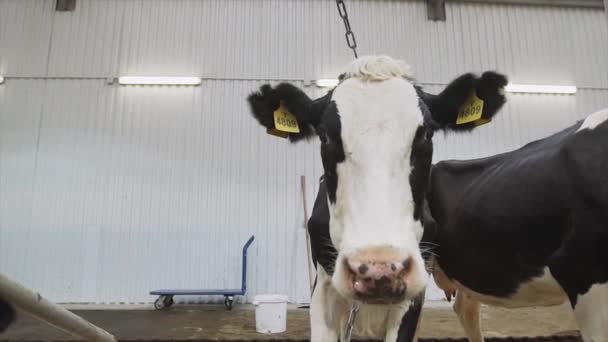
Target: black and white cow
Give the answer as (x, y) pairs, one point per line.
(527, 228)
(375, 129)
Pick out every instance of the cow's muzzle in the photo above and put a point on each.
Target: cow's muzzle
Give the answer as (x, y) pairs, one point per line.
(378, 277)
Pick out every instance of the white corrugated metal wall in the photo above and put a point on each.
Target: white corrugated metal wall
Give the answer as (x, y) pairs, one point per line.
(107, 192)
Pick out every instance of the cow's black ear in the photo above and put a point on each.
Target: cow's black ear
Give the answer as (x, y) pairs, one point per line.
(267, 100)
(455, 107)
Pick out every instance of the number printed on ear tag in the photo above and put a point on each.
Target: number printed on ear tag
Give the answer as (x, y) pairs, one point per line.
(471, 110)
(285, 121)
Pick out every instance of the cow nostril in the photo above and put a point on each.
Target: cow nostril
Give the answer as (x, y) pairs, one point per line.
(393, 267)
(407, 263)
(363, 269)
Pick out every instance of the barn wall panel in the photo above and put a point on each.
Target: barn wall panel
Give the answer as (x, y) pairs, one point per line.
(85, 42)
(271, 39)
(25, 31)
(123, 190)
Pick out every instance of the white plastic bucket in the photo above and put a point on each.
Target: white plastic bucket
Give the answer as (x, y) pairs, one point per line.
(270, 313)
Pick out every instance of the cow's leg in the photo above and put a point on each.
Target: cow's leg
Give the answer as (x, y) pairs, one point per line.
(408, 328)
(392, 331)
(579, 266)
(394, 321)
(324, 315)
(467, 310)
(591, 312)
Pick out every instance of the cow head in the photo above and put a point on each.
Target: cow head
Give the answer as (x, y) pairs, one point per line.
(376, 131)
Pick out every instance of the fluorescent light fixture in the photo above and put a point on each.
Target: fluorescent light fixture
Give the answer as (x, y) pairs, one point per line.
(159, 80)
(327, 83)
(541, 89)
(1, 79)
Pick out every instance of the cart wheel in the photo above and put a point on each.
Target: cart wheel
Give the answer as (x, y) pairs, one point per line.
(168, 301)
(228, 300)
(159, 303)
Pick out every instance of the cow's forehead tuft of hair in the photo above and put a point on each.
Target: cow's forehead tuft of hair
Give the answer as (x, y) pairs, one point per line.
(376, 68)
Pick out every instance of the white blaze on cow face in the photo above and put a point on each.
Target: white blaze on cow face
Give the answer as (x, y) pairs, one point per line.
(372, 220)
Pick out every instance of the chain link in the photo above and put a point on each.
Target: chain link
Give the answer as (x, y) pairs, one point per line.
(350, 36)
(354, 309)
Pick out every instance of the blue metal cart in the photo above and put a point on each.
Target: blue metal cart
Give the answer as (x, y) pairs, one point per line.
(165, 297)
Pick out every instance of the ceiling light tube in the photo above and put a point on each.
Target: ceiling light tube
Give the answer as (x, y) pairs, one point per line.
(159, 80)
(540, 89)
(327, 83)
(1, 79)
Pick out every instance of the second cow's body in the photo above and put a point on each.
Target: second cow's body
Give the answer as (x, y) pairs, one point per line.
(527, 228)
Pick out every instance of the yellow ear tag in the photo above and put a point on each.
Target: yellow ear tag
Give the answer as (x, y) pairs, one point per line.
(471, 110)
(285, 121)
(481, 122)
(277, 133)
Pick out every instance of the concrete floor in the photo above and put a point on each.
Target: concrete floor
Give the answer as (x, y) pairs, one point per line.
(212, 322)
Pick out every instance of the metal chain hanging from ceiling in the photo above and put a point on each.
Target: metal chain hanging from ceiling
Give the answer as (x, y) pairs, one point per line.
(350, 36)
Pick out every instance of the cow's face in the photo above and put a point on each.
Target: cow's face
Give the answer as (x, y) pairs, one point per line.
(375, 129)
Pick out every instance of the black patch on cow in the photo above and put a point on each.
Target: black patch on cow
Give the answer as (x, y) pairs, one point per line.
(582, 259)
(420, 161)
(445, 106)
(332, 150)
(7, 315)
(576, 273)
(501, 220)
(430, 228)
(323, 251)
